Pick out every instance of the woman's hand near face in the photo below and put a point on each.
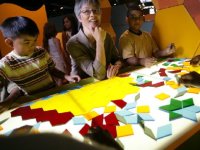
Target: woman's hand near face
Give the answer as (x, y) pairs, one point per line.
(99, 34)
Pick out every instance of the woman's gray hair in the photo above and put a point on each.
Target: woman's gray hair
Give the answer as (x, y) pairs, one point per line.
(80, 3)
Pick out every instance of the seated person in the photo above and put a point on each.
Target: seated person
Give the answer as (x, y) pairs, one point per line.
(29, 67)
(192, 78)
(138, 47)
(92, 50)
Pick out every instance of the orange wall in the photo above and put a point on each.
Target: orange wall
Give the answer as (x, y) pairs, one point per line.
(106, 18)
(9, 10)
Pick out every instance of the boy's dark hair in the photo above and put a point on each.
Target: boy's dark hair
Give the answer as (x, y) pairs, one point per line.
(14, 27)
(133, 7)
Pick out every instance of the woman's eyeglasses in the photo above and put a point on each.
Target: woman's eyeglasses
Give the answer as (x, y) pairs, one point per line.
(89, 11)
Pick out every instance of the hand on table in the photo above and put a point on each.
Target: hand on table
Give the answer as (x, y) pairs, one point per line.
(195, 60)
(112, 70)
(73, 78)
(148, 62)
(190, 79)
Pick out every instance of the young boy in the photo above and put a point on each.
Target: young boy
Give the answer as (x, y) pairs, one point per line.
(138, 47)
(29, 67)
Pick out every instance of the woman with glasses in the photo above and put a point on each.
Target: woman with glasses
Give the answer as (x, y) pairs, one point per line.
(92, 49)
(138, 47)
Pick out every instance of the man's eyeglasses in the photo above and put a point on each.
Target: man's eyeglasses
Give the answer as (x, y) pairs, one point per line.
(134, 18)
(89, 11)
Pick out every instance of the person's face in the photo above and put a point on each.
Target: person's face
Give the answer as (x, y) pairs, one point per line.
(90, 16)
(24, 45)
(67, 23)
(135, 20)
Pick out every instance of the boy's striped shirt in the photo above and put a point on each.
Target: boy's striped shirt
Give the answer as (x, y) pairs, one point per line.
(31, 73)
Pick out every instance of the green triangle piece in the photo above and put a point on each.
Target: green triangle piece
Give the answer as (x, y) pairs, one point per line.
(170, 107)
(173, 115)
(188, 102)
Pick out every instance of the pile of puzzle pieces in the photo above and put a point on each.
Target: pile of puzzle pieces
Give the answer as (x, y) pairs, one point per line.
(184, 108)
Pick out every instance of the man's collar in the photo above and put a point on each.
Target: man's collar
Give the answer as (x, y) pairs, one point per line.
(136, 33)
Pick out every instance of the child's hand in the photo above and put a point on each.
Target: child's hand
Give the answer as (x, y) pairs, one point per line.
(148, 62)
(112, 71)
(73, 78)
(170, 49)
(195, 60)
(190, 79)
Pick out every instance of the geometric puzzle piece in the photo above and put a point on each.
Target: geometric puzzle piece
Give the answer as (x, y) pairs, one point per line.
(173, 115)
(111, 129)
(61, 118)
(111, 119)
(181, 91)
(119, 103)
(130, 106)
(32, 114)
(194, 90)
(187, 114)
(109, 109)
(188, 102)
(145, 117)
(66, 132)
(158, 84)
(162, 96)
(46, 116)
(157, 131)
(79, 120)
(132, 119)
(143, 109)
(124, 130)
(170, 108)
(123, 113)
(20, 111)
(97, 121)
(84, 130)
(91, 115)
(195, 109)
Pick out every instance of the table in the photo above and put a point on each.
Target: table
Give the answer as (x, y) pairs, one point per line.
(181, 128)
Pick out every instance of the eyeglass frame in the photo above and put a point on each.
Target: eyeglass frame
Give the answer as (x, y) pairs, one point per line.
(95, 11)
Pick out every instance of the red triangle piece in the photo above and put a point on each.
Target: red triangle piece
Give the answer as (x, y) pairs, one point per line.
(97, 121)
(61, 118)
(46, 116)
(32, 114)
(111, 130)
(20, 111)
(84, 130)
(111, 119)
(146, 84)
(158, 84)
(119, 103)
